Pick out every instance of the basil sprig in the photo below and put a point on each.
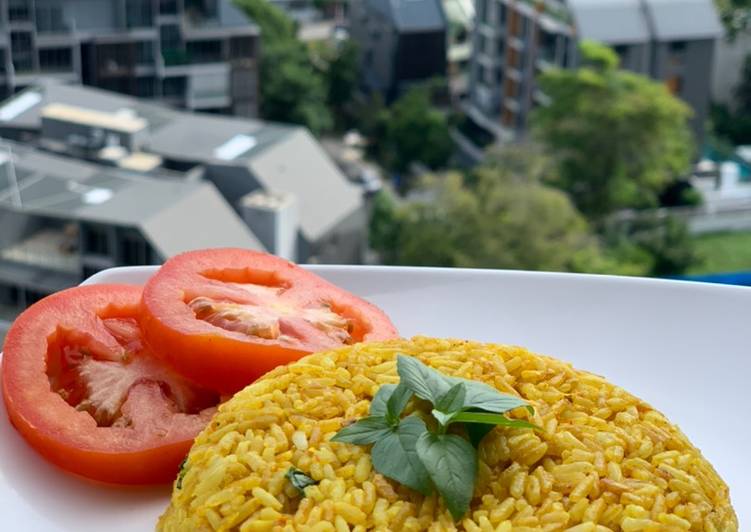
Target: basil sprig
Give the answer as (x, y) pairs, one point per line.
(407, 451)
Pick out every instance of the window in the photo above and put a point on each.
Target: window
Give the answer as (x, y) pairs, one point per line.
(501, 46)
(55, 60)
(501, 14)
(20, 46)
(96, 240)
(174, 87)
(18, 11)
(49, 18)
(168, 7)
(146, 87)
(499, 75)
(9, 295)
(482, 10)
(133, 249)
(678, 47)
(241, 47)
(138, 14)
(169, 36)
(204, 51)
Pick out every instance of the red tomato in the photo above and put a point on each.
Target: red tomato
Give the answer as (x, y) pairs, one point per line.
(83, 390)
(224, 317)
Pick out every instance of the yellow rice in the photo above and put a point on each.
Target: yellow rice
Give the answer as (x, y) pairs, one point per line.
(605, 461)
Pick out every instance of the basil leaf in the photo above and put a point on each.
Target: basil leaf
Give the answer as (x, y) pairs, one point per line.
(483, 397)
(395, 455)
(396, 403)
(451, 463)
(425, 382)
(493, 419)
(378, 404)
(443, 418)
(476, 432)
(364, 431)
(299, 479)
(452, 400)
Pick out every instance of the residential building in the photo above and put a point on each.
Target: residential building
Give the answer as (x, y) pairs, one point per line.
(309, 212)
(197, 54)
(460, 16)
(514, 41)
(401, 42)
(64, 219)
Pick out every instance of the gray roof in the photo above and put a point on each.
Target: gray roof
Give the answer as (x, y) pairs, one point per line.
(164, 209)
(412, 15)
(625, 21)
(282, 157)
(610, 21)
(324, 194)
(685, 19)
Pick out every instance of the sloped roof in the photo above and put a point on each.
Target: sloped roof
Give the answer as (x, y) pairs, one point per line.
(684, 19)
(411, 15)
(610, 21)
(165, 209)
(324, 194)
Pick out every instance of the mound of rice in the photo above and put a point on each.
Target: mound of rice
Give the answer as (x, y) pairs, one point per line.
(605, 461)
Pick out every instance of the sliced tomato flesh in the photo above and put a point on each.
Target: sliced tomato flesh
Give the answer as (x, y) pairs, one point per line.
(84, 389)
(224, 317)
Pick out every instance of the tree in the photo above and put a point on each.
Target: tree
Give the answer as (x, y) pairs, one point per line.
(619, 138)
(292, 90)
(342, 73)
(415, 131)
(735, 16)
(499, 218)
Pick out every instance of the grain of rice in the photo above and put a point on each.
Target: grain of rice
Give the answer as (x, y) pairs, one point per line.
(606, 461)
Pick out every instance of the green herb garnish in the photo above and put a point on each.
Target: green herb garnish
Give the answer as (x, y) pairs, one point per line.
(181, 474)
(299, 479)
(407, 451)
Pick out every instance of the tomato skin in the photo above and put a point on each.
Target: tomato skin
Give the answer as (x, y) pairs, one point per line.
(227, 361)
(69, 438)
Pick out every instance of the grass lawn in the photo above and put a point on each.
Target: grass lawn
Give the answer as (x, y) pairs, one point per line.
(723, 252)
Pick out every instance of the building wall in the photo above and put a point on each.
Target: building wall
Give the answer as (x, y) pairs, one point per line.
(419, 57)
(728, 66)
(685, 67)
(117, 45)
(377, 42)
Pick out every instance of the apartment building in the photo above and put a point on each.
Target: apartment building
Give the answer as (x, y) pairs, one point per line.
(515, 40)
(64, 219)
(196, 54)
(276, 177)
(401, 42)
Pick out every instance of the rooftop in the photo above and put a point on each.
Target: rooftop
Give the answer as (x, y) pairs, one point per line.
(412, 15)
(165, 209)
(279, 157)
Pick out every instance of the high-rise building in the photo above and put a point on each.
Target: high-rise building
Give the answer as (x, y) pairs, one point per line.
(515, 40)
(197, 54)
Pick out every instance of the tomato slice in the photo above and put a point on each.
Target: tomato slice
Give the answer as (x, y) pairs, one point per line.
(83, 389)
(224, 317)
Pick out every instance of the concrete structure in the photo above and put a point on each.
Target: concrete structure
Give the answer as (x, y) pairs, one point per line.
(401, 42)
(63, 220)
(197, 54)
(239, 156)
(668, 40)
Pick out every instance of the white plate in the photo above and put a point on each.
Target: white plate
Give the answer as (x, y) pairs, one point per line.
(684, 347)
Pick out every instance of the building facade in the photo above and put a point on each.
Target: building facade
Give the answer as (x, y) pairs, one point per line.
(401, 42)
(196, 54)
(514, 41)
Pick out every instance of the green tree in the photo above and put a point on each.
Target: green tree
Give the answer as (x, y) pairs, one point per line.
(415, 131)
(292, 90)
(735, 16)
(498, 218)
(619, 138)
